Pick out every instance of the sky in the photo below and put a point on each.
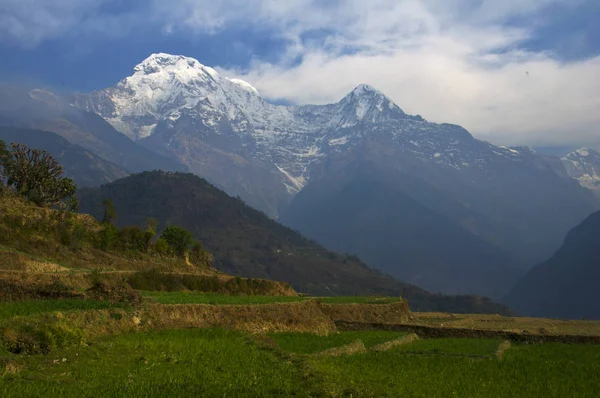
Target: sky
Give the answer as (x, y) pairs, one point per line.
(513, 72)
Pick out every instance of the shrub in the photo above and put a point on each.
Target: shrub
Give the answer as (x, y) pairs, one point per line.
(178, 239)
(108, 237)
(200, 257)
(4, 158)
(72, 233)
(161, 247)
(155, 280)
(114, 293)
(132, 239)
(40, 336)
(96, 278)
(110, 214)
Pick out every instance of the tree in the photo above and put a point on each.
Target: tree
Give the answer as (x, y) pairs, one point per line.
(36, 175)
(151, 228)
(4, 159)
(132, 238)
(110, 214)
(178, 239)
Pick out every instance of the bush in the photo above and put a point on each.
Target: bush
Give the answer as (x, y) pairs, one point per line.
(108, 237)
(72, 233)
(133, 239)
(200, 257)
(178, 239)
(161, 247)
(40, 336)
(115, 293)
(155, 280)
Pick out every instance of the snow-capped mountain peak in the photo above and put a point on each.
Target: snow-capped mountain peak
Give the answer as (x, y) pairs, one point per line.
(165, 86)
(365, 103)
(585, 152)
(156, 63)
(179, 104)
(584, 165)
(245, 85)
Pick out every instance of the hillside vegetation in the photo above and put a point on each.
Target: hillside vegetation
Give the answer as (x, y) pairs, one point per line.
(246, 242)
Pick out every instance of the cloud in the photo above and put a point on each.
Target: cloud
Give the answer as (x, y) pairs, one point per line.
(459, 61)
(449, 65)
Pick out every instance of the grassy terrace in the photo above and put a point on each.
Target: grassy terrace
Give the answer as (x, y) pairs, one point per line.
(214, 299)
(216, 362)
(24, 308)
(175, 363)
(308, 343)
(547, 370)
(195, 362)
(11, 309)
(187, 297)
(465, 347)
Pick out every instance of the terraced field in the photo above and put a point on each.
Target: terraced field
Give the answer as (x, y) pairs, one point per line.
(171, 359)
(214, 362)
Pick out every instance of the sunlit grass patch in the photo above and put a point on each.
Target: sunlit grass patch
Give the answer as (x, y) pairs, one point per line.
(10, 309)
(308, 343)
(472, 347)
(176, 363)
(545, 370)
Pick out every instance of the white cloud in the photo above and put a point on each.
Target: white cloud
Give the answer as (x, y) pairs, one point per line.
(464, 68)
(456, 61)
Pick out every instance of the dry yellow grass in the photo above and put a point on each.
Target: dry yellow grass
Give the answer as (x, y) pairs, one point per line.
(394, 343)
(353, 348)
(393, 313)
(13, 368)
(502, 348)
(534, 326)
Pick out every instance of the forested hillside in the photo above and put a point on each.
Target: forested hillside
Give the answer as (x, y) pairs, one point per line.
(246, 242)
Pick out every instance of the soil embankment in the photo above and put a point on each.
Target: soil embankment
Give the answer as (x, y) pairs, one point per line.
(445, 332)
(393, 313)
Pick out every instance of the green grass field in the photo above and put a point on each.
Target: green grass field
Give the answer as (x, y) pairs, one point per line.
(214, 362)
(177, 363)
(308, 343)
(466, 347)
(194, 362)
(10, 309)
(547, 370)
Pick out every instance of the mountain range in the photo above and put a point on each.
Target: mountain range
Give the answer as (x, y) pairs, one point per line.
(520, 202)
(246, 242)
(584, 165)
(43, 110)
(425, 202)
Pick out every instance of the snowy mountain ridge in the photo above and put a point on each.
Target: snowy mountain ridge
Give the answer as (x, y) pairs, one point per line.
(284, 159)
(584, 165)
(166, 89)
